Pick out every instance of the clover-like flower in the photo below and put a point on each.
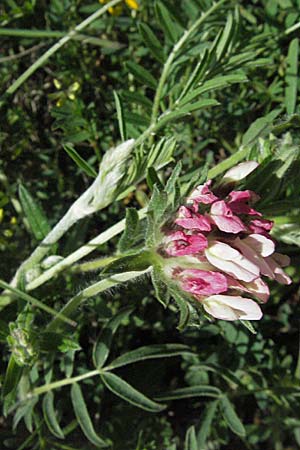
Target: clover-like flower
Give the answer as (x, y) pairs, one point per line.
(219, 248)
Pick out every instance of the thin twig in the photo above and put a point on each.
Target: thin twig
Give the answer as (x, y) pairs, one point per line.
(23, 53)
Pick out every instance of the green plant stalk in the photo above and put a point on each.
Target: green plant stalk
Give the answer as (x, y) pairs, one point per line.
(40, 61)
(57, 384)
(35, 302)
(95, 264)
(81, 252)
(167, 66)
(93, 290)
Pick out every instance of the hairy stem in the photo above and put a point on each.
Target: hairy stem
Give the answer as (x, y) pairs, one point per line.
(81, 252)
(93, 290)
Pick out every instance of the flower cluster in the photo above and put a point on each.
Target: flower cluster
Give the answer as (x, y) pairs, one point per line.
(220, 248)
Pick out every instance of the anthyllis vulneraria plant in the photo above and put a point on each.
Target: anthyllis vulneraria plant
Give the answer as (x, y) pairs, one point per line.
(213, 254)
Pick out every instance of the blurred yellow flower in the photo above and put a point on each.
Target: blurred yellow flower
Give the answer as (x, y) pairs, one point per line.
(1, 214)
(13, 220)
(132, 4)
(116, 10)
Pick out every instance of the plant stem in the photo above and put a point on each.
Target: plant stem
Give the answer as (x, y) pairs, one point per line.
(64, 382)
(81, 252)
(172, 56)
(96, 264)
(93, 290)
(228, 163)
(35, 302)
(74, 213)
(40, 61)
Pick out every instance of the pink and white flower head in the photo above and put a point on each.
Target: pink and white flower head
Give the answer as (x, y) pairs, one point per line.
(230, 246)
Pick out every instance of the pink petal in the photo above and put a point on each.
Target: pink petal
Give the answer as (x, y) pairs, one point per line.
(243, 196)
(256, 287)
(223, 217)
(260, 226)
(240, 171)
(202, 194)
(202, 282)
(180, 244)
(227, 307)
(238, 202)
(191, 220)
(231, 261)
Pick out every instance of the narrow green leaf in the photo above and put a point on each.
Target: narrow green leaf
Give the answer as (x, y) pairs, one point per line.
(152, 42)
(161, 153)
(137, 98)
(259, 127)
(161, 289)
(214, 84)
(12, 376)
(168, 23)
(37, 303)
(81, 163)
(226, 38)
(102, 345)
(35, 215)
(83, 417)
(131, 231)
(183, 306)
(231, 417)
(189, 392)
(190, 439)
(172, 180)
(128, 393)
(158, 202)
(25, 412)
(291, 77)
(152, 179)
(138, 261)
(136, 120)
(50, 415)
(120, 115)
(149, 352)
(142, 75)
(206, 424)
(187, 109)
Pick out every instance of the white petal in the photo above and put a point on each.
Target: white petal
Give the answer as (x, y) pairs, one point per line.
(220, 311)
(242, 308)
(223, 251)
(250, 253)
(261, 244)
(240, 171)
(239, 267)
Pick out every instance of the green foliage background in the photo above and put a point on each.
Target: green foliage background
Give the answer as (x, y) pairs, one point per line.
(238, 390)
